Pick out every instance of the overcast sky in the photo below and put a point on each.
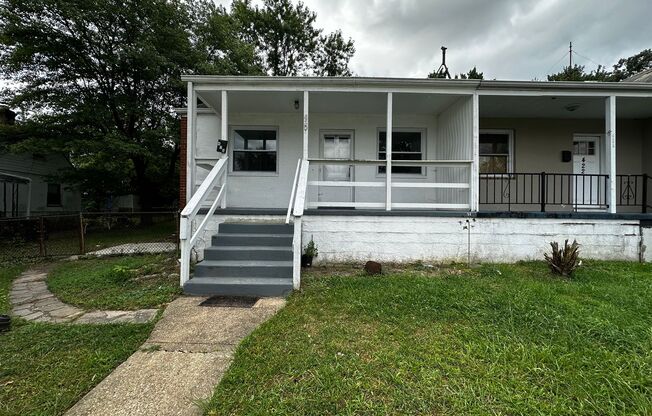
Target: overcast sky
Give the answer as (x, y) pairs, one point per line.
(505, 39)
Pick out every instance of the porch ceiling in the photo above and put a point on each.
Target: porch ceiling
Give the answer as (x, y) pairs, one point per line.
(329, 102)
(562, 107)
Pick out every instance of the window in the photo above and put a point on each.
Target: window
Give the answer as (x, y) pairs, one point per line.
(584, 147)
(54, 195)
(496, 151)
(254, 149)
(406, 145)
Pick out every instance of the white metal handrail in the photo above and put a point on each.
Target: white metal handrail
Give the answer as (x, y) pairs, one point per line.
(296, 208)
(217, 176)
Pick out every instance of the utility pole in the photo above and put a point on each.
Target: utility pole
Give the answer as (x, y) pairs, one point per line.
(570, 55)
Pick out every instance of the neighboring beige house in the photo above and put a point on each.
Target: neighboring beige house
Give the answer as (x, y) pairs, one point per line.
(487, 170)
(25, 185)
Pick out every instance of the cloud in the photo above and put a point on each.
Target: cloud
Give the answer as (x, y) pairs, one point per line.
(505, 39)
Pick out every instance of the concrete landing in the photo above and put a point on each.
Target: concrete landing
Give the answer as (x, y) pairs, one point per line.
(184, 358)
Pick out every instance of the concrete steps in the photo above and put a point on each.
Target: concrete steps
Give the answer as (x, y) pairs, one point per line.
(245, 259)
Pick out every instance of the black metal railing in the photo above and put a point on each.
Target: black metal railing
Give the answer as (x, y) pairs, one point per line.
(633, 191)
(545, 191)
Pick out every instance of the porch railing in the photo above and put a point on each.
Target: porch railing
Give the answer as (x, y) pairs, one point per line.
(450, 182)
(216, 179)
(633, 191)
(546, 191)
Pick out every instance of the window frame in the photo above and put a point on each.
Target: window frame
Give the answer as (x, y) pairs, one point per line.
(47, 195)
(422, 131)
(231, 147)
(510, 149)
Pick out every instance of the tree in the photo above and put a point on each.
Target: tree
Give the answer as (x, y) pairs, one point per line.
(627, 67)
(578, 73)
(218, 38)
(98, 81)
(472, 74)
(333, 56)
(287, 41)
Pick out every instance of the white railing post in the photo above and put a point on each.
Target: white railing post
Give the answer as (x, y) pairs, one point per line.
(388, 155)
(184, 234)
(296, 250)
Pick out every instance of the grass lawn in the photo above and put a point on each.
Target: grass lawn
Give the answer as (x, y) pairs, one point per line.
(46, 368)
(500, 339)
(132, 282)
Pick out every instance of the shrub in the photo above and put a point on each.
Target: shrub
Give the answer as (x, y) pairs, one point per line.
(563, 261)
(311, 249)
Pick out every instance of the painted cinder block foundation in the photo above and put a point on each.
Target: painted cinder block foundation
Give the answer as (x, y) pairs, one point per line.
(444, 239)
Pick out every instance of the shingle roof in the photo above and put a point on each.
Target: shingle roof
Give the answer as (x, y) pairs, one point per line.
(643, 76)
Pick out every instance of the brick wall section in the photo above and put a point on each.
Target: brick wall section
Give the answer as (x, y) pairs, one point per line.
(183, 146)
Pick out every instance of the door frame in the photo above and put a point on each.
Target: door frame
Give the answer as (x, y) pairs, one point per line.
(599, 140)
(336, 132)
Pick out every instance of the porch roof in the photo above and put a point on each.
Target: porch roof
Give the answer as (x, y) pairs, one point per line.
(378, 84)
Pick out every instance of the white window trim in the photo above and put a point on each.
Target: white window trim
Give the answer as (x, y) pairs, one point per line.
(510, 156)
(424, 135)
(233, 172)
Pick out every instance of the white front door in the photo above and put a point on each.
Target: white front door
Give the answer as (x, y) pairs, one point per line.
(336, 146)
(588, 186)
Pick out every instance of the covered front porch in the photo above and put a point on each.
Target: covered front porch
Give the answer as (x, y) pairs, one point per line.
(341, 140)
(565, 153)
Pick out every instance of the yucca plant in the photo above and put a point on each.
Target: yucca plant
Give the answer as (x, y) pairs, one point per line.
(563, 261)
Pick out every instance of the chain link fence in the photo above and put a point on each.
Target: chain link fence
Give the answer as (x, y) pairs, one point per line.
(88, 233)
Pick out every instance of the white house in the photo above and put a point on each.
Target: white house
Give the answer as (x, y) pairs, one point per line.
(407, 169)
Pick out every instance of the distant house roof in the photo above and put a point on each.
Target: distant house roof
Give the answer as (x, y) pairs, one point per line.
(6, 115)
(643, 76)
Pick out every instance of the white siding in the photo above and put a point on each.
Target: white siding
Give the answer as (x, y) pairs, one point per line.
(273, 190)
(455, 135)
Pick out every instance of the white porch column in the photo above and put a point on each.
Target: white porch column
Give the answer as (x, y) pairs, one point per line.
(190, 145)
(224, 136)
(474, 192)
(610, 138)
(388, 154)
(306, 107)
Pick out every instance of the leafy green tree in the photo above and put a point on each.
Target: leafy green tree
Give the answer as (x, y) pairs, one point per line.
(627, 67)
(578, 73)
(218, 38)
(333, 56)
(98, 81)
(288, 42)
(472, 74)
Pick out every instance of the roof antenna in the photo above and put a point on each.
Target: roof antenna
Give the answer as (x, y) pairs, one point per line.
(442, 72)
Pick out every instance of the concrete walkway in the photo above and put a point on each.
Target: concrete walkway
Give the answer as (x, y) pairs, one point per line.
(184, 358)
(32, 300)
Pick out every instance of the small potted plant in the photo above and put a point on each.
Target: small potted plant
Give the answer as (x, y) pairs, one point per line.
(309, 253)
